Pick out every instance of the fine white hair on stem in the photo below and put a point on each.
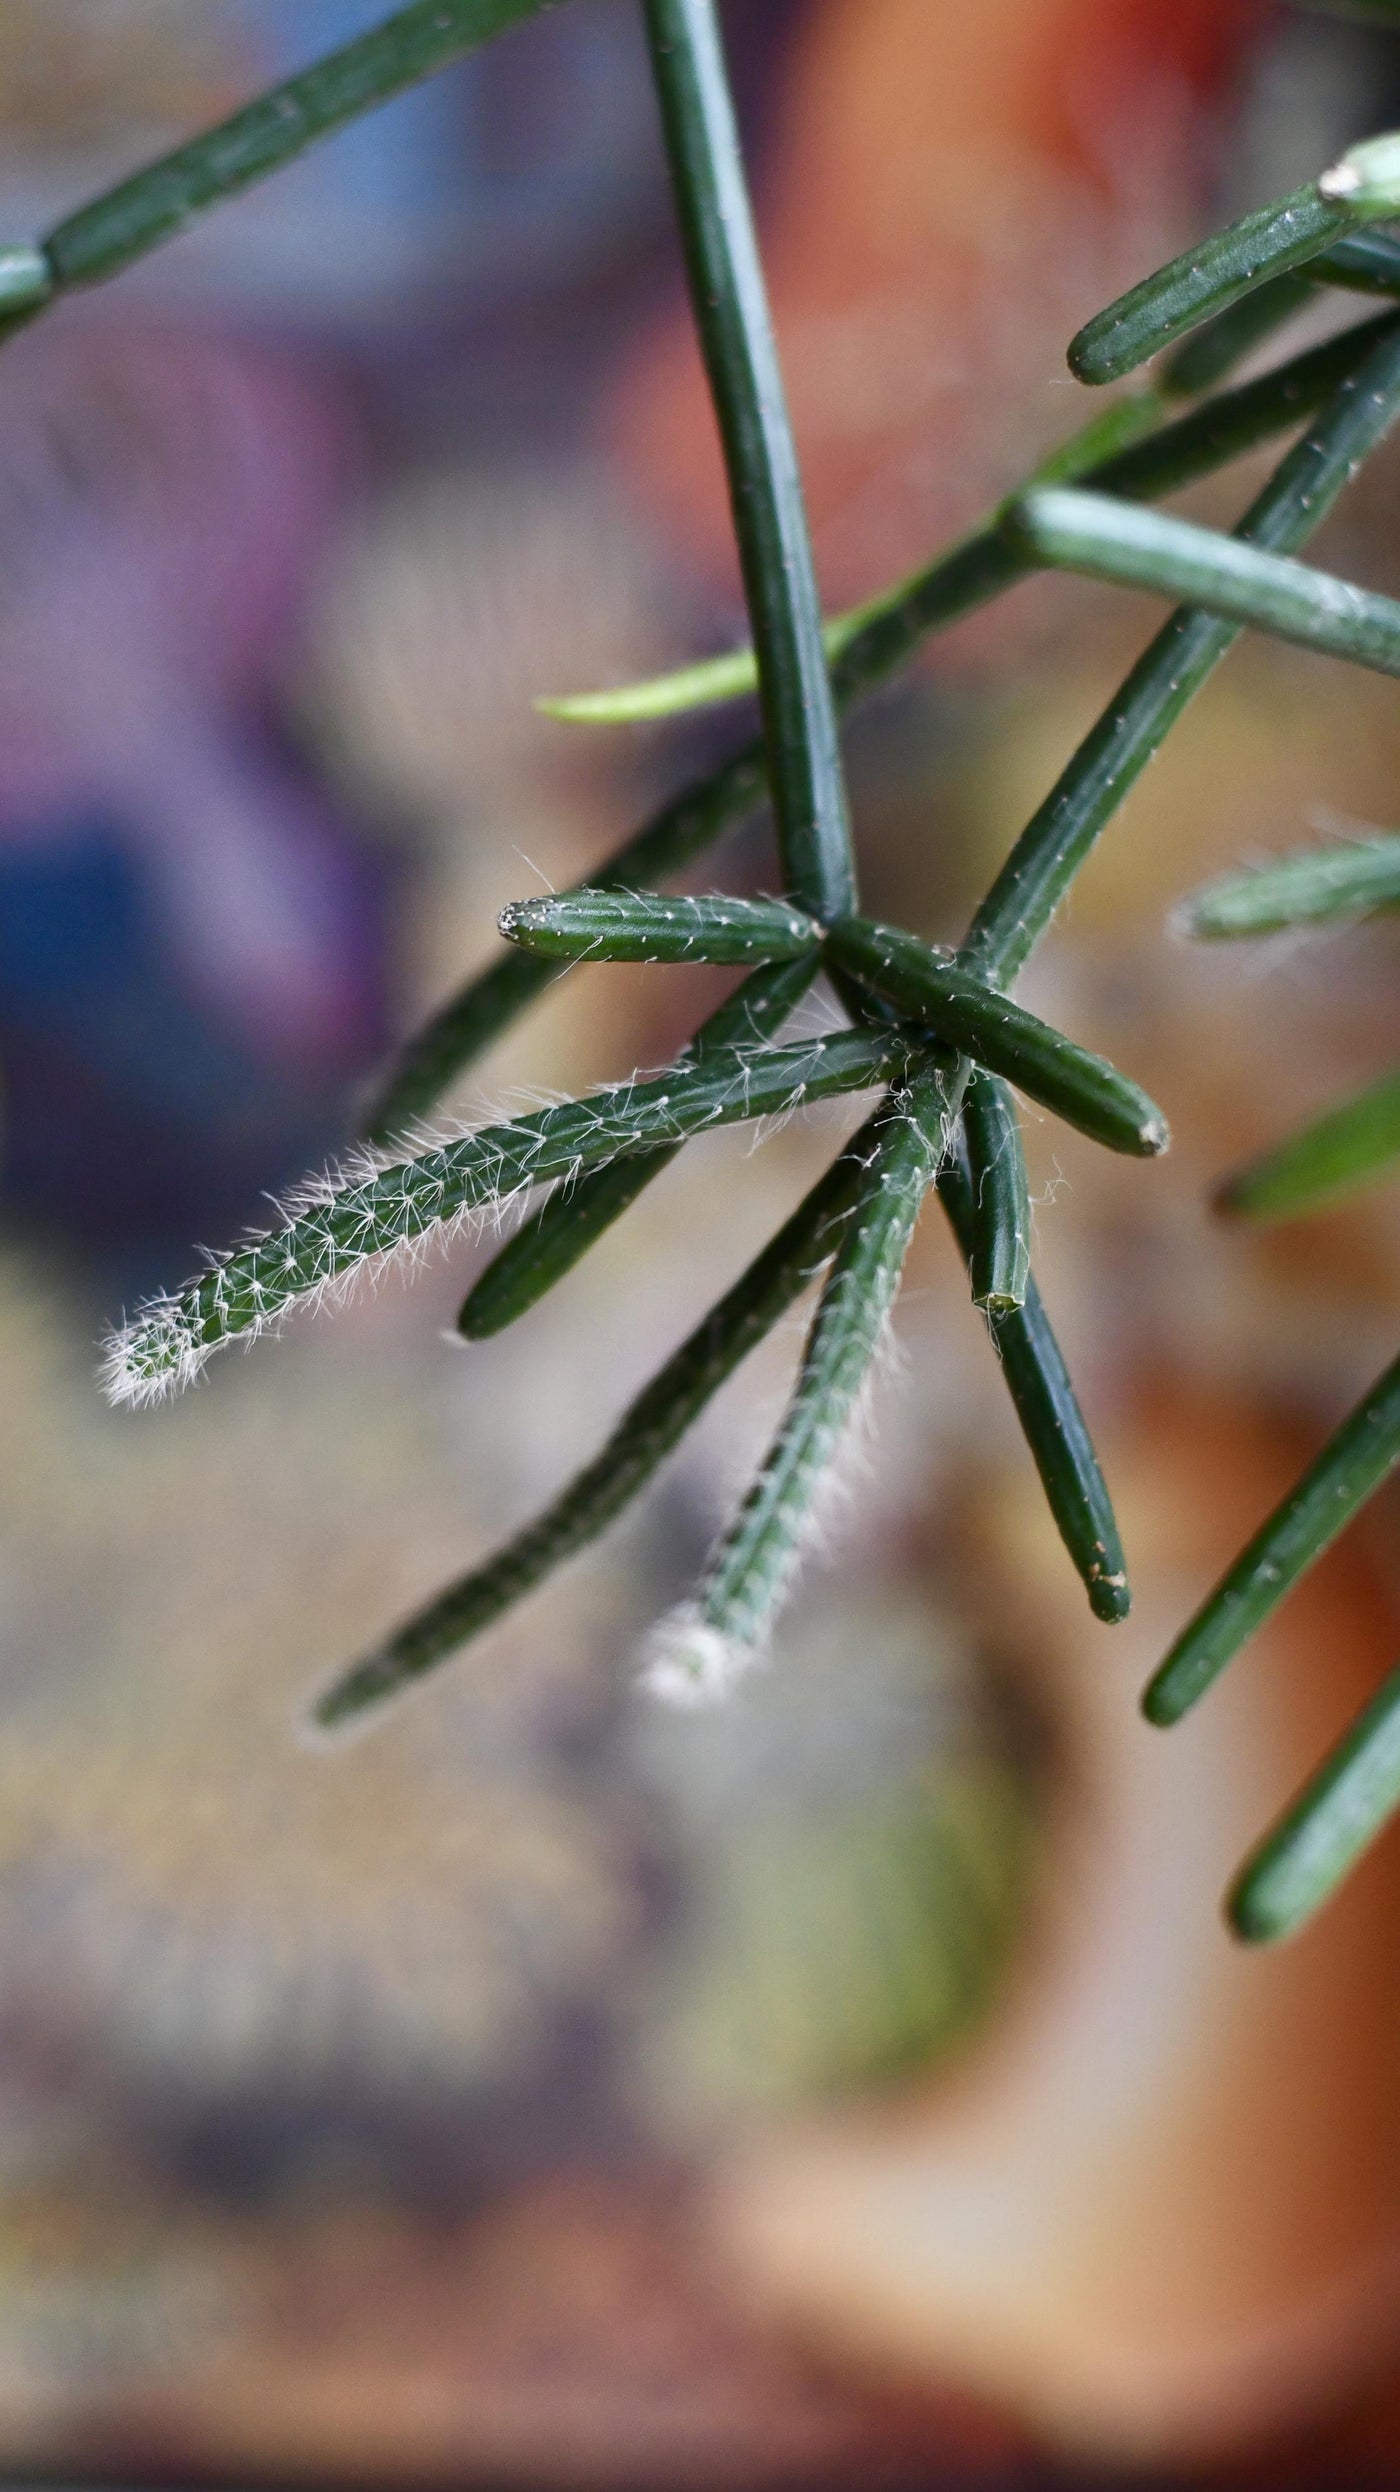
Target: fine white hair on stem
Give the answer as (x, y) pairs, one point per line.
(690, 1665)
(378, 1208)
(789, 1501)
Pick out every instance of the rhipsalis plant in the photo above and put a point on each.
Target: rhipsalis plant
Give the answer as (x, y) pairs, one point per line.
(934, 1033)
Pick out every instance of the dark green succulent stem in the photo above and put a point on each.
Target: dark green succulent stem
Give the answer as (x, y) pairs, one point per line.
(999, 1263)
(730, 303)
(978, 569)
(930, 988)
(105, 236)
(1349, 1470)
(1062, 832)
(575, 1216)
(351, 1224)
(1348, 1147)
(1207, 354)
(474, 1018)
(1236, 421)
(1322, 1835)
(1104, 539)
(1206, 281)
(650, 1428)
(753, 1565)
(1052, 1422)
(647, 926)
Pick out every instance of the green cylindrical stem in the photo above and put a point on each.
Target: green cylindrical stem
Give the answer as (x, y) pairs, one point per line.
(1323, 1834)
(1051, 1420)
(1106, 540)
(574, 1217)
(999, 1262)
(1061, 834)
(164, 198)
(1212, 351)
(1203, 282)
(930, 988)
(979, 569)
(645, 926)
(648, 1431)
(26, 285)
(357, 1222)
(1348, 878)
(1126, 449)
(1363, 263)
(1349, 1469)
(730, 304)
(700, 1651)
(1350, 1146)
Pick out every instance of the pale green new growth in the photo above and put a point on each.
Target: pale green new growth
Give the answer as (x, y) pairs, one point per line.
(1367, 180)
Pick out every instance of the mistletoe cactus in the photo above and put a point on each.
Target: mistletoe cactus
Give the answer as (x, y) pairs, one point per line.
(934, 1033)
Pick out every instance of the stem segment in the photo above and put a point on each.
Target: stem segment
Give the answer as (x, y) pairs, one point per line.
(730, 303)
(647, 1432)
(574, 1217)
(698, 1653)
(1349, 1469)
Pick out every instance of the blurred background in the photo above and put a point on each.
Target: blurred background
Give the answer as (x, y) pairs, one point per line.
(857, 2086)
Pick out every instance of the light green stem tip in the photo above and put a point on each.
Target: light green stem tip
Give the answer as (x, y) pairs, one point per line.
(1367, 179)
(26, 280)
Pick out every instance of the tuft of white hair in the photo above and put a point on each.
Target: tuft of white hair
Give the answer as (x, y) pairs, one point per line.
(690, 1665)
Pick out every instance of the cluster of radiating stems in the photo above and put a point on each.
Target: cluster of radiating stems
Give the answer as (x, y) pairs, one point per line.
(933, 1031)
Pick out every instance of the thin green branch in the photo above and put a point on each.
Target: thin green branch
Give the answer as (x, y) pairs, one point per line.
(1106, 540)
(645, 926)
(708, 682)
(1207, 354)
(1062, 832)
(1125, 449)
(982, 567)
(648, 1431)
(699, 1652)
(341, 1225)
(999, 1262)
(957, 1007)
(1206, 280)
(1320, 1838)
(1349, 1470)
(1349, 878)
(1351, 1146)
(574, 1216)
(730, 304)
(1051, 1420)
(162, 199)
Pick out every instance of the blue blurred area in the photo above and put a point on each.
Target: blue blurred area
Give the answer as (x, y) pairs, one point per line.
(444, 280)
